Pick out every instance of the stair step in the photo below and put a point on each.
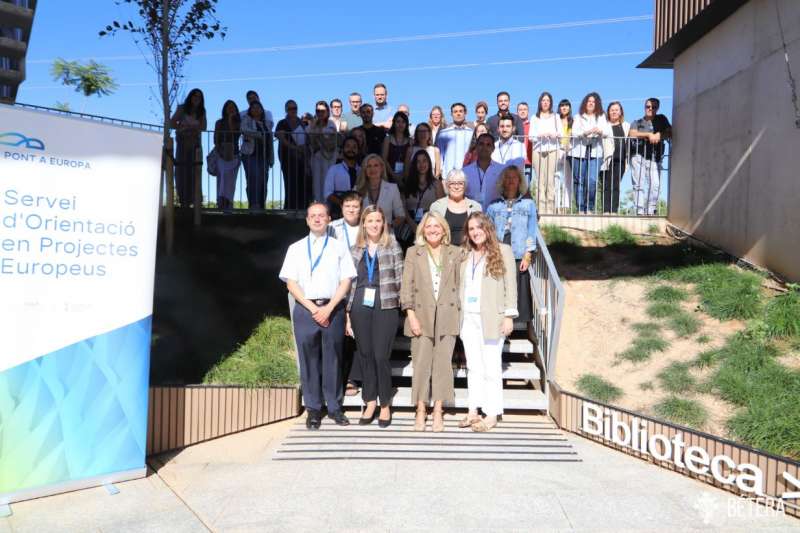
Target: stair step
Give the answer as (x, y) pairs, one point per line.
(524, 371)
(512, 399)
(521, 346)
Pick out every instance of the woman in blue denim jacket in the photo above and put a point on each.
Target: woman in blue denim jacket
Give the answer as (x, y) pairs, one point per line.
(516, 221)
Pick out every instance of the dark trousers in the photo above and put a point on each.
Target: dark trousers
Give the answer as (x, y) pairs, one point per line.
(255, 171)
(320, 355)
(351, 363)
(610, 179)
(188, 160)
(374, 329)
(296, 190)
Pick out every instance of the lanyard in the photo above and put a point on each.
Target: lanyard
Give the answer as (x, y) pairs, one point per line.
(314, 264)
(370, 264)
(420, 195)
(482, 175)
(475, 265)
(507, 146)
(346, 234)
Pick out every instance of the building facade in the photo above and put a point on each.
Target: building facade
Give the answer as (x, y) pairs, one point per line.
(735, 174)
(16, 21)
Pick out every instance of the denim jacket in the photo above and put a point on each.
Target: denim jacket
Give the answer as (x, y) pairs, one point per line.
(524, 223)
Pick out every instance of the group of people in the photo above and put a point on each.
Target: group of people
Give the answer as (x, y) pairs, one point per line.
(351, 282)
(569, 159)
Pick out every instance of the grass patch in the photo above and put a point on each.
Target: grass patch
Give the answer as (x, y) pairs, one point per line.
(782, 315)
(706, 359)
(652, 229)
(666, 294)
(643, 347)
(684, 324)
(681, 411)
(770, 421)
(725, 292)
(663, 310)
(703, 339)
(616, 235)
(557, 235)
(265, 359)
(647, 385)
(676, 379)
(597, 388)
(646, 328)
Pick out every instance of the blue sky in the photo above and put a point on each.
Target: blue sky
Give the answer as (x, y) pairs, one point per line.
(517, 52)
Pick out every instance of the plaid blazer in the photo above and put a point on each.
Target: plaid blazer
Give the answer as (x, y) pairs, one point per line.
(390, 273)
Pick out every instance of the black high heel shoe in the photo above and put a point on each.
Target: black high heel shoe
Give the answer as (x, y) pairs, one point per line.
(385, 423)
(365, 421)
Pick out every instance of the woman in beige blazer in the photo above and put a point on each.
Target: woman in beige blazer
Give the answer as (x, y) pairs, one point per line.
(488, 292)
(429, 295)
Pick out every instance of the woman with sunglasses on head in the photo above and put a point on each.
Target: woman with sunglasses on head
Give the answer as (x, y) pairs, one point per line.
(372, 310)
(488, 290)
(429, 297)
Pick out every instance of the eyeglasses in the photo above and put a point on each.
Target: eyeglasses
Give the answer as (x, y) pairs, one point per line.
(335, 106)
(455, 183)
(648, 106)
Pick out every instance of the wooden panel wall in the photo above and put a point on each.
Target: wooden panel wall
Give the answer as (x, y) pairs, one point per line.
(672, 15)
(182, 416)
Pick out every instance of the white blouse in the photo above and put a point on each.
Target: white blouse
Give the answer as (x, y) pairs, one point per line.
(436, 276)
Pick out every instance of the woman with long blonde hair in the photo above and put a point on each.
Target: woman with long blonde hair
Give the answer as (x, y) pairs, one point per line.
(488, 292)
(372, 310)
(429, 297)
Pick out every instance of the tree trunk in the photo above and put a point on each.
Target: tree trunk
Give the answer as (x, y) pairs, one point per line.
(167, 155)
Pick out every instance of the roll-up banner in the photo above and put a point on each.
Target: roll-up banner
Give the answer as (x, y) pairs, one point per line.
(78, 222)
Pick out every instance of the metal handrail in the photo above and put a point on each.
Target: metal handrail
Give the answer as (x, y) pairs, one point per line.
(548, 305)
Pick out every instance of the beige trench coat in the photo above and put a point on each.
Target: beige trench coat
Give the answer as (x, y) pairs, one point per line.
(416, 292)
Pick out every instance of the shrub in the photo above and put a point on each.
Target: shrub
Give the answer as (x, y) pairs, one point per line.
(616, 235)
(675, 378)
(266, 358)
(597, 388)
(681, 411)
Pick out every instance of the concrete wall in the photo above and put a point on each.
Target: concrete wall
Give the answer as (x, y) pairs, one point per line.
(735, 162)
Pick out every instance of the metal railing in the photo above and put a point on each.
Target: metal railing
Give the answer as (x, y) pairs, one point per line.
(288, 174)
(548, 305)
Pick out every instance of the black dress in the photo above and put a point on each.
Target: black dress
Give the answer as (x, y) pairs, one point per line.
(456, 222)
(524, 295)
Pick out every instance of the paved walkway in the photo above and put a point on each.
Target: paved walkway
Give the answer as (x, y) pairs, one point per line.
(236, 484)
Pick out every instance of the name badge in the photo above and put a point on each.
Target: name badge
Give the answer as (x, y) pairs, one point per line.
(398, 167)
(418, 214)
(369, 297)
(472, 299)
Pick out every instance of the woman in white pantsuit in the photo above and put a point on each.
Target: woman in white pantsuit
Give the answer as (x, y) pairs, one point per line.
(489, 306)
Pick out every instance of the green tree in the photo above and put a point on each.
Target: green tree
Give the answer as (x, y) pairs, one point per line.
(167, 31)
(90, 79)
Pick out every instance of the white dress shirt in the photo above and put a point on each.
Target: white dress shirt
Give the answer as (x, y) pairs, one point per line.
(509, 152)
(337, 179)
(335, 265)
(482, 186)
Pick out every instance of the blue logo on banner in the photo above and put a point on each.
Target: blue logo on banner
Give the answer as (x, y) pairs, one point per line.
(18, 140)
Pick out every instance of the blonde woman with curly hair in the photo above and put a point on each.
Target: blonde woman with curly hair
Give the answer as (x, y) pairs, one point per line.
(429, 296)
(488, 308)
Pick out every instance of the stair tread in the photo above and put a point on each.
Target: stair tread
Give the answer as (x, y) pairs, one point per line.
(521, 346)
(512, 399)
(511, 370)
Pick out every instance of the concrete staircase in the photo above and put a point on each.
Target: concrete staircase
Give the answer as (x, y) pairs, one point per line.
(522, 387)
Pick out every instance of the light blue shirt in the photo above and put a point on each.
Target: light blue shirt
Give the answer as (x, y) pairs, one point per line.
(453, 143)
(382, 114)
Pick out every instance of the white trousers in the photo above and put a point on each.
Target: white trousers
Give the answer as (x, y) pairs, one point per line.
(484, 367)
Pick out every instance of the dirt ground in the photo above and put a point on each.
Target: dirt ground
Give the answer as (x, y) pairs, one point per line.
(604, 297)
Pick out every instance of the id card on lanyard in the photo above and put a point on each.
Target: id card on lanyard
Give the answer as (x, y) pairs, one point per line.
(369, 292)
(473, 295)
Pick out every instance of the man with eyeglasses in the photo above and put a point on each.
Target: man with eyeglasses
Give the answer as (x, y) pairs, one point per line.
(482, 175)
(352, 119)
(317, 271)
(649, 133)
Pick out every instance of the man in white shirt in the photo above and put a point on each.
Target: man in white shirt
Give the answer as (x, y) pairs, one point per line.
(453, 141)
(341, 177)
(317, 271)
(507, 149)
(483, 174)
